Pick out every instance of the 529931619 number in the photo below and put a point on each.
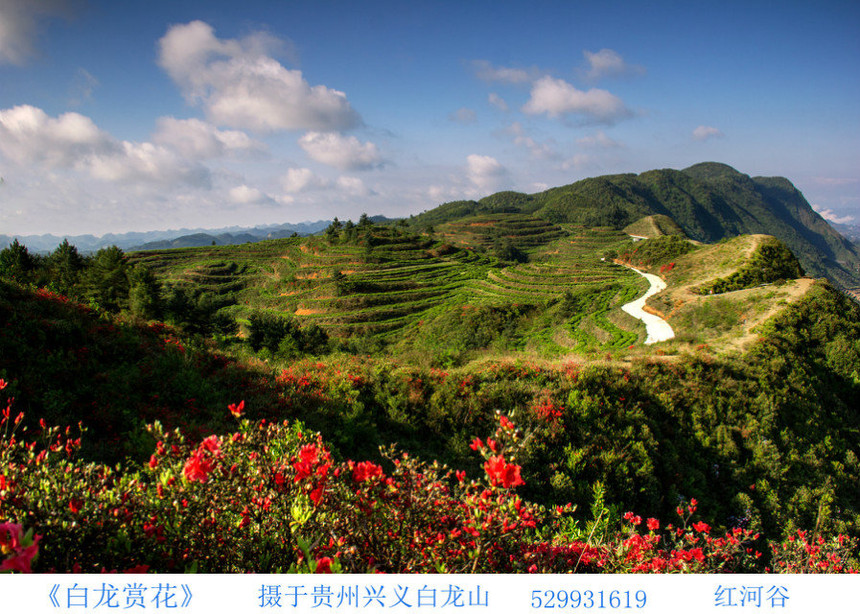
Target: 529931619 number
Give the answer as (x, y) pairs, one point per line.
(598, 600)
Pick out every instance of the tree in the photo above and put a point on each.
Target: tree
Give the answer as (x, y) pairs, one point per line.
(17, 263)
(144, 293)
(65, 266)
(106, 280)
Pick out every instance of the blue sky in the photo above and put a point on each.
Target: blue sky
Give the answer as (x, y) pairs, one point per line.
(133, 115)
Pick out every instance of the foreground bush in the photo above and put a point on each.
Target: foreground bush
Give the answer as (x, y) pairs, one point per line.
(270, 498)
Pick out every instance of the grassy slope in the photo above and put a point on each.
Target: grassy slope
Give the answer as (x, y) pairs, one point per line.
(724, 321)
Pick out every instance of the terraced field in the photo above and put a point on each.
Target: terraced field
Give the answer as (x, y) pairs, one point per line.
(523, 231)
(384, 281)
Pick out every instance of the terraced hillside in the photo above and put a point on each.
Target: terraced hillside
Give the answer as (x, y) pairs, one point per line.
(522, 231)
(387, 282)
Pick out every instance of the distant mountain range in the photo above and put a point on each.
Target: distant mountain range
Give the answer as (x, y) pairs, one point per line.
(709, 201)
(163, 239)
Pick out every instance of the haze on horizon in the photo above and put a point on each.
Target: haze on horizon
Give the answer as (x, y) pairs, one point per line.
(213, 114)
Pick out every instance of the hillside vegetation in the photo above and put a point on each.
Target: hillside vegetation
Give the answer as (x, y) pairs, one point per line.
(472, 385)
(708, 201)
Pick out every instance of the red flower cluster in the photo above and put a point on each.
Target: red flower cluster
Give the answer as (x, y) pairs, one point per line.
(502, 473)
(19, 549)
(365, 470)
(312, 465)
(201, 462)
(548, 412)
(237, 410)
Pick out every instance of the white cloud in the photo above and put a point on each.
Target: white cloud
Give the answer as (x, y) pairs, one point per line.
(577, 162)
(30, 137)
(245, 195)
(240, 85)
(609, 63)
(197, 139)
(485, 172)
(557, 98)
(297, 180)
(832, 216)
(341, 152)
(145, 163)
(19, 26)
(352, 186)
(599, 140)
(703, 133)
(541, 151)
(463, 116)
(485, 71)
(497, 101)
(83, 85)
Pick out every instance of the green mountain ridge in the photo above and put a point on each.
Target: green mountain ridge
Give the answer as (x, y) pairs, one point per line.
(710, 202)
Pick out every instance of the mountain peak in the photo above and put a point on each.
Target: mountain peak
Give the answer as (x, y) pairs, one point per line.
(712, 170)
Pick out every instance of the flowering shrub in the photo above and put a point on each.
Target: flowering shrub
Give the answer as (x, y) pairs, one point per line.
(804, 553)
(271, 498)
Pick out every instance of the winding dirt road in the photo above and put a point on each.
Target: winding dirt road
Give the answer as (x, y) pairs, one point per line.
(657, 328)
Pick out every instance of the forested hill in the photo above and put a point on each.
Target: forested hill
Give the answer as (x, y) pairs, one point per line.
(710, 201)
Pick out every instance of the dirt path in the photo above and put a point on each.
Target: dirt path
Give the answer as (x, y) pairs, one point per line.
(657, 328)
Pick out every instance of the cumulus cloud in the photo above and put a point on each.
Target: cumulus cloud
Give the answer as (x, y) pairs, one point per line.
(832, 216)
(463, 116)
(238, 84)
(196, 139)
(485, 71)
(297, 180)
(29, 136)
(557, 98)
(599, 140)
(703, 133)
(341, 152)
(246, 195)
(497, 101)
(609, 63)
(145, 163)
(19, 26)
(485, 172)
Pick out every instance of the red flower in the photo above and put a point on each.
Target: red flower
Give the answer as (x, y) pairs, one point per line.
(197, 467)
(476, 444)
(211, 444)
(237, 410)
(12, 541)
(653, 524)
(503, 420)
(323, 565)
(701, 527)
(3, 384)
(366, 470)
(75, 505)
(503, 474)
